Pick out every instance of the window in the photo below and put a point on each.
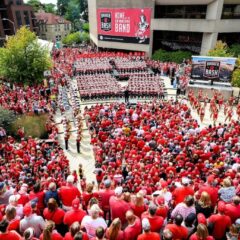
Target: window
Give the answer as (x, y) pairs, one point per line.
(56, 27)
(231, 11)
(19, 2)
(65, 27)
(59, 27)
(45, 27)
(19, 18)
(181, 11)
(26, 17)
(58, 37)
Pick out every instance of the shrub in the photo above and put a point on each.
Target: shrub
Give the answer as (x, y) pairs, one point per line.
(6, 118)
(235, 50)
(85, 27)
(34, 125)
(76, 38)
(236, 78)
(175, 56)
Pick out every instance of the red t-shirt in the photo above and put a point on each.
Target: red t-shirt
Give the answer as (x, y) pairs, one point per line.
(118, 208)
(74, 216)
(68, 236)
(195, 237)
(179, 232)
(221, 224)
(179, 194)
(68, 194)
(14, 225)
(104, 196)
(232, 211)
(10, 235)
(138, 210)
(212, 191)
(56, 216)
(149, 236)
(156, 222)
(131, 232)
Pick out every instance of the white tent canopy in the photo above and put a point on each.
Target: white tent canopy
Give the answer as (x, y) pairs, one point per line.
(46, 44)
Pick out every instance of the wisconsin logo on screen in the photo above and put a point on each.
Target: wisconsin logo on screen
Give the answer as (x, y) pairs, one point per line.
(106, 22)
(212, 69)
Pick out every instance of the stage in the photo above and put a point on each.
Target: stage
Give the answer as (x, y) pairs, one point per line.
(224, 88)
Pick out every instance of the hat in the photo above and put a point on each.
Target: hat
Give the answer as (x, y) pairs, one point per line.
(146, 224)
(75, 204)
(118, 191)
(27, 210)
(107, 183)
(221, 206)
(237, 221)
(201, 219)
(14, 198)
(160, 200)
(185, 180)
(70, 179)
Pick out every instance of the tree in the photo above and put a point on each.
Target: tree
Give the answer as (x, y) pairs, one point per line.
(36, 4)
(6, 117)
(49, 8)
(220, 50)
(23, 60)
(235, 50)
(62, 6)
(85, 27)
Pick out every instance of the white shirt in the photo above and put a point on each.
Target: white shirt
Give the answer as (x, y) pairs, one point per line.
(91, 225)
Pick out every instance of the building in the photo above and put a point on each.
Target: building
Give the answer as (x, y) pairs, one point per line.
(13, 15)
(52, 27)
(193, 25)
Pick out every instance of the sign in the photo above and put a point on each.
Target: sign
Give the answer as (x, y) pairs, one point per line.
(212, 68)
(128, 25)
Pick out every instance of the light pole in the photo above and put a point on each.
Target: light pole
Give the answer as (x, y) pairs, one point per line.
(6, 19)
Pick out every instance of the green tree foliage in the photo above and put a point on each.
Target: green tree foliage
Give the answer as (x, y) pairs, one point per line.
(175, 56)
(236, 78)
(50, 8)
(85, 27)
(6, 118)
(76, 38)
(36, 4)
(220, 50)
(74, 11)
(235, 50)
(23, 60)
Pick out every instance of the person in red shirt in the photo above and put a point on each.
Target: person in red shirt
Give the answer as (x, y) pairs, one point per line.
(177, 230)
(50, 233)
(104, 197)
(114, 231)
(5, 234)
(180, 193)
(210, 189)
(87, 195)
(55, 214)
(75, 214)
(233, 209)
(138, 206)
(201, 233)
(118, 207)
(220, 221)
(14, 220)
(24, 197)
(147, 234)
(39, 194)
(156, 222)
(133, 228)
(75, 228)
(68, 193)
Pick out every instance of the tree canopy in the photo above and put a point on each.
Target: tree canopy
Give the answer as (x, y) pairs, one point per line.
(22, 59)
(37, 5)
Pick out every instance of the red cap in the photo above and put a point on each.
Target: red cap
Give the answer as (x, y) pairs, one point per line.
(160, 200)
(75, 204)
(201, 219)
(221, 206)
(27, 210)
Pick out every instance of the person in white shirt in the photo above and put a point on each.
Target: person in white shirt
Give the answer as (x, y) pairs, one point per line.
(92, 222)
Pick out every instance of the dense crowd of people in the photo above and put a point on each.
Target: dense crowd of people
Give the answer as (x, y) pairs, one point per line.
(159, 174)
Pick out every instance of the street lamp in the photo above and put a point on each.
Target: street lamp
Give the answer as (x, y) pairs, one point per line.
(6, 19)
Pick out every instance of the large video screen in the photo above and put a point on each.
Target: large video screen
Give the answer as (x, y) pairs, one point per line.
(212, 68)
(128, 25)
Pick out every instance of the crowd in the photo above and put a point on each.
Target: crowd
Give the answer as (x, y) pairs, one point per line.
(159, 174)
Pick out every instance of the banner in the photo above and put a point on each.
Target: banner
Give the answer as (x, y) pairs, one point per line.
(128, 25)
(212, 68)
